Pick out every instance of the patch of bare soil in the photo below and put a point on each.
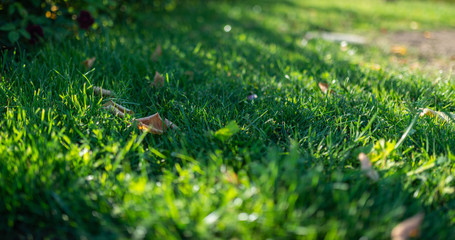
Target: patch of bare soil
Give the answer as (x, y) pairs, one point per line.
(431, 50)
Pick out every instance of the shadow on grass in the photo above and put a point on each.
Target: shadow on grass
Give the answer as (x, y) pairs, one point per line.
(195, 40)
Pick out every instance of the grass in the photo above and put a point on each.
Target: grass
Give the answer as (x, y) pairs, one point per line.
(69, 169)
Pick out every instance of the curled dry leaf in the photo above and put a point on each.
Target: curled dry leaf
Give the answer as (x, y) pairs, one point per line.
(427, 35)
(102, 92)
(117, 109)
(157, 53)
(400, 50)
(325, 88)
(158, 80)
(439, 115)
(408, 228)
(88, 64)
(171, 125)
(366, 166)
(154, 124)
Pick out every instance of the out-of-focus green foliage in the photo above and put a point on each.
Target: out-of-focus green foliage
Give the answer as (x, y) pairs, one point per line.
(58, 18)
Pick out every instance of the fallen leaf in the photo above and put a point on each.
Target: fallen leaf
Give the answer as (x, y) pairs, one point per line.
(325, 88)
(400, 50)
(157, 53)
(366, 166)
(439, 115)
(102, 92)
(117, 109)
(427, 35)
(408, 228)
(154, 124)
(88, 64)
(158, 81)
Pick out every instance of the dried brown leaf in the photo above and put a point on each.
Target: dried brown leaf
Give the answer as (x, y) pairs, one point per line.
(408, 228)
(154, 124)
(439, 115)
(427, 35)
(117, 109)
(157, 53)
(366, 166)
(118, 106)
(170, 124)
(102, 92)
(325, 88)
(88, 64)
(158, 80)
(114, 110)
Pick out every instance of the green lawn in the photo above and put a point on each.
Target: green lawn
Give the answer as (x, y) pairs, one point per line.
(70, 169)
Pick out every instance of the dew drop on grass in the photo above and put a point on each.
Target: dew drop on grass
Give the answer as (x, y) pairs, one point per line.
(227, 28)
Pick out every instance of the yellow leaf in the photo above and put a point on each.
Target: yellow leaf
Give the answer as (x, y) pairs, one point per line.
(400, 50)
(408, 228)
(102, 92)
(366, 166)
(88, 64)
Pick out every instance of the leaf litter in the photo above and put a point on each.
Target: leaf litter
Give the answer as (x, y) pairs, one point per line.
(117, 109)
(325, 88)
(366, 166)
(158, 80)
(88, 64)
(153, 123)
(408, 228)
(103, 92)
